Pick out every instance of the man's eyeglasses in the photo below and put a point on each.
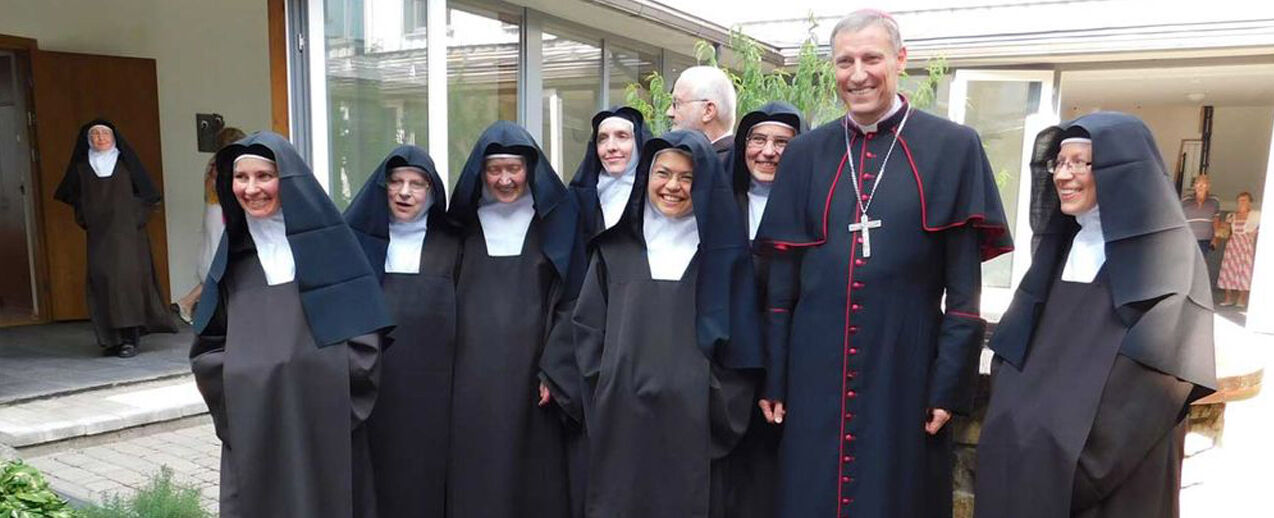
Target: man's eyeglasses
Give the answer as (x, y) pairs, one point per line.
(677, 104)
(759, 142)
(1077, 168)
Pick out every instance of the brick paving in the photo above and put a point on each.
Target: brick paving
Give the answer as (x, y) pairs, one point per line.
(93, 472)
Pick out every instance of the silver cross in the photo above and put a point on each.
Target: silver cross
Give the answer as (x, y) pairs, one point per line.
(865, 225)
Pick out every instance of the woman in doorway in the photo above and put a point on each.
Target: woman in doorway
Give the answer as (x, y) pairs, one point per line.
(113, 197)
(1236, 267)
(213, 224)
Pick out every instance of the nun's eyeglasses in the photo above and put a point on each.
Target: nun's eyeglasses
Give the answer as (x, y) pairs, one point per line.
(759, 142)
(1077, 168)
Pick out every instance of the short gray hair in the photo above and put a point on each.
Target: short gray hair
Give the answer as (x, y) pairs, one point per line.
(705, 82)
(864, 18)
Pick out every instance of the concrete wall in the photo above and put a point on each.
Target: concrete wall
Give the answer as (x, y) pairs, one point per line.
(1240, 142)
(210, 57)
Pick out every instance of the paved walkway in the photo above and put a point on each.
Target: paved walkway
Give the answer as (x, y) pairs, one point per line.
(91, 472)
(39, 361)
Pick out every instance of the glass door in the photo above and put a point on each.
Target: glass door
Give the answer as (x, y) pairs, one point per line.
(18, 302)
(1007, 108)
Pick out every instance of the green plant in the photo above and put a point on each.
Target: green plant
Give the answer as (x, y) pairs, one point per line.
(810, 85)
(160, 498)
(25, 494)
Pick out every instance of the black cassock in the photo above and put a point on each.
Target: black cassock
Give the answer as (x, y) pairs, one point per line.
(409, 430)
(1093, 381)
(666, 362)
(121, 290)
(508, 456)
(753, 464)
(289, 371)
(860, 348)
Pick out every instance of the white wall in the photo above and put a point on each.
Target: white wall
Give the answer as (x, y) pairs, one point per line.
(210, 57)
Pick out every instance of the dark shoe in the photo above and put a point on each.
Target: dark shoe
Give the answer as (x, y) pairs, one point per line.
(127, 351)
(112, 350)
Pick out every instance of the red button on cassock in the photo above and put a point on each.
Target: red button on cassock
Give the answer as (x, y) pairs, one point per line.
(859, 239)
(859, 262)
(851, 458)
(844, 501)
(851, 374)
(867, 176)
(865, 197)
(871, 155)
(851, 394)
(849, 416)
(844, 480)
(853, 329)
(847, 459)
(853, 350)
(849, 437)
(855, 307)
(857, 285)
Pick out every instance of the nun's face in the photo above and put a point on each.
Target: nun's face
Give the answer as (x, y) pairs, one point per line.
(671, 177)
(765, 146)
(101, 137)
(256, 186)
(408, 191)
(1073, 177)
(615, 144)
(506, 178)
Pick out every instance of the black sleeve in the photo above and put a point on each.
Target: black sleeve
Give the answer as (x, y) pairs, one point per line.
(207, 358)
(962, 331)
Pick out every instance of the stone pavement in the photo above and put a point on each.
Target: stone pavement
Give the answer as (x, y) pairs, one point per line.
(93, 470)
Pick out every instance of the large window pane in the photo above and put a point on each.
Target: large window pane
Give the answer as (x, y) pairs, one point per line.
(998, 110)
(629, 66)
(376, 89)
(572, 89)
(482, 77)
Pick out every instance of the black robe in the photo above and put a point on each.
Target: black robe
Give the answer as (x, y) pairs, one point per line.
(1089, 420)
(860, 348)
(289, 372)
(121, 288)
(670, 382)
(508, 455)
(754, 463)
(409, 430)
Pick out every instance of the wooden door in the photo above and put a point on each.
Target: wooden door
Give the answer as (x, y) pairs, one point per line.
(70, 90)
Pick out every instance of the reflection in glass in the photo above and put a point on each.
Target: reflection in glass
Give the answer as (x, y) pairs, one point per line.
(572, 86)
(627, 67)
(482, 78)
(376, 88)
(998, 110)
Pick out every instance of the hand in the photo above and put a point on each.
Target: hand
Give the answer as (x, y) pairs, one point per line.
(937, 419)
(545, 395)
(773, 411)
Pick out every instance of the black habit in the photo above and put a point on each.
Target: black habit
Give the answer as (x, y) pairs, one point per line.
(289, 371)
(753, 465)
(508, 455)
(121, 289)
(861, 348)
(1089, 420)
(665, 362)
(409, 428)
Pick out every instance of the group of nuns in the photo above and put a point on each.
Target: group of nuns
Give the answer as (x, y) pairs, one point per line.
(528, 349)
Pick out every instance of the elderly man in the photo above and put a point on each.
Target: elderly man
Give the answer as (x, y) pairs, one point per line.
(703, 100)
(873, 219)
(1203, 213)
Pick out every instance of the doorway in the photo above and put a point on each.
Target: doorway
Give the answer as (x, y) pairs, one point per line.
(19, 296)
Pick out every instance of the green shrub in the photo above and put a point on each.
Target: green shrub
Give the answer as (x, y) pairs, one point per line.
(25, 494)
(161, 498)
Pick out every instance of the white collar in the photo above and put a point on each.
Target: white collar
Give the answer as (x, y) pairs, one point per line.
(270, 236)
(1088, 249)
(871, 128)
(671, 243)
(504, 225)
(758, 195)
(613, 192)
(406, 240)
(103, 162)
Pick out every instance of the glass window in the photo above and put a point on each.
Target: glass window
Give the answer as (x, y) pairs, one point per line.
(482, 77)
(628, 66)
(376, 89)
(572, 92)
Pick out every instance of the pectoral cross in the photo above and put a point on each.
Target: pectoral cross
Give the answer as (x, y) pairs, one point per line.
(865, 225)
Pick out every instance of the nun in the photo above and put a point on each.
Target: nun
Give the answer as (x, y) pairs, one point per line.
(604, 179)
(668, 338)
(759, 143)
(1107, 341)
(399, 218)
(288, 337)
(519, 275)
(113, 198)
